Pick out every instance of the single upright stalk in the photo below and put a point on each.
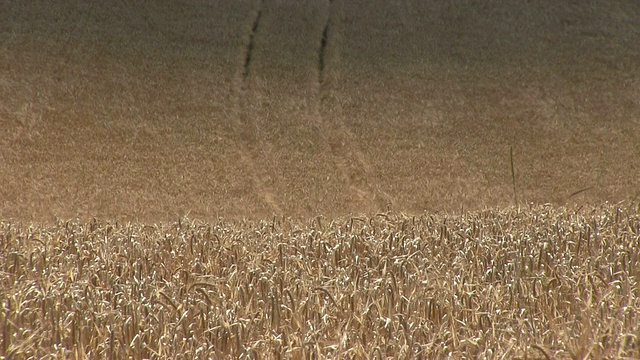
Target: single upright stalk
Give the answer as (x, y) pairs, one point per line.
(513, 176)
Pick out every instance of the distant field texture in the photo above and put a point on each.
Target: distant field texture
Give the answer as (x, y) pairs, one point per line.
(154, 110)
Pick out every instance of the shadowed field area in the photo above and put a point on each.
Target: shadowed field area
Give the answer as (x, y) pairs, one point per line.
(253, 108)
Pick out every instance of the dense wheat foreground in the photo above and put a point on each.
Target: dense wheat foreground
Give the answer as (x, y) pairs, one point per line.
(542, 282)
(310, 179)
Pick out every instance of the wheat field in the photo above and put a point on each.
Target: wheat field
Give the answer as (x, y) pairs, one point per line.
(319, 179)
(536, 283)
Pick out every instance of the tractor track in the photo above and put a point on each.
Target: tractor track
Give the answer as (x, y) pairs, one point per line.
(323, 48)
(242, 122)
(342, 148)
(249, 51)
(350, 160)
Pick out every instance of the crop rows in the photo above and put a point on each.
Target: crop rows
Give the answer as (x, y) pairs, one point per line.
(543, 282)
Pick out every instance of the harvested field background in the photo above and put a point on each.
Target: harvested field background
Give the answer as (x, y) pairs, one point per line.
(497, 142)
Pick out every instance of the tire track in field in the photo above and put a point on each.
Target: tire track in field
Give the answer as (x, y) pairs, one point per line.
(249, 52)
(242, 121)
(349, 158)
(323, 46)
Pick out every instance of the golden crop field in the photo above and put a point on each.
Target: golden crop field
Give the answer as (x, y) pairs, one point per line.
(536, 283)
(319, 179)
